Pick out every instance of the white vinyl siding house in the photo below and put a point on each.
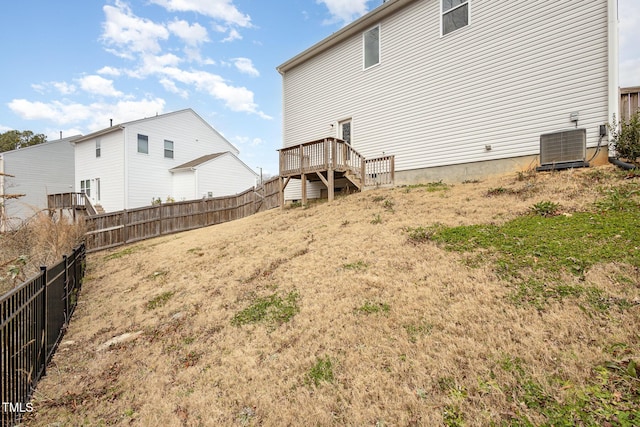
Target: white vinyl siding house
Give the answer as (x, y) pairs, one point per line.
(136, 159)
(214, 175)
(37, 170)
(458, 83)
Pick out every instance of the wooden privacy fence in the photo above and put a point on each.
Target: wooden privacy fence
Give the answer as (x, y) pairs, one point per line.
(629, 102)
(34, 317)
(127, 226)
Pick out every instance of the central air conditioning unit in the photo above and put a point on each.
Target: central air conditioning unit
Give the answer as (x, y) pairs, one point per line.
(563, 150)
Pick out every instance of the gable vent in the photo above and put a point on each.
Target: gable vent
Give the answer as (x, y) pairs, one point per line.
(563, 150)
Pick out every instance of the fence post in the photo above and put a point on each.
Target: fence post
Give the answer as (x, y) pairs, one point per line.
(43, 350)
(66, 287)
(125, 222)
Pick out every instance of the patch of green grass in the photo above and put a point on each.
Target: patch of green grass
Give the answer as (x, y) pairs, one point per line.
(122, 253)
(417, 330)
(621, 198)
(429, 187)
(549, 246)
(610, 396)
(196, 251)
(320, 372)
(159, 300)
(356, 266)
(374, 307)
(420, 234)
(545, 208)
(272, 310)
(388, 205)
(453, 416)
(378, 198)
(376, 219)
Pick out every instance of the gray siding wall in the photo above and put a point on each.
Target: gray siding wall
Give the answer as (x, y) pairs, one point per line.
(518, 70)
(39, 170)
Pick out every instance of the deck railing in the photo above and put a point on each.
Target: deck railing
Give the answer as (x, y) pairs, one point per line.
(71, 201)
(317, 156)
(335, 154)
(379, 171)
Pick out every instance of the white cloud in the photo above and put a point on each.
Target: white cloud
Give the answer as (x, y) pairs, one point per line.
(244, 65)
(245, 140)
(344, 10)
(128, 34)
(223, 10)
(109, 71)
(170, 86)
(93, 116)
(233, 35)
(64, 87)
(192, 35)
(98, 85)
(5, 129)
(238, 99)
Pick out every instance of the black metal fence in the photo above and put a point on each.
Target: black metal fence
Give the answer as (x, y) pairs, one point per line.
(34, 318)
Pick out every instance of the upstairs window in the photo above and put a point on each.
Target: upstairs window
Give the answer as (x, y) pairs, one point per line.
(168, 149)
(371, 42)
(143, 144)
(98, 148)
(455, 14)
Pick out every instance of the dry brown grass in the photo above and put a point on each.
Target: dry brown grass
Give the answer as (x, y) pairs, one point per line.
(40, 241)
(443, 348)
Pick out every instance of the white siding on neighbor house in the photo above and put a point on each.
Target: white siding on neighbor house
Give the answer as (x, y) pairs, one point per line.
(38, 170)
(108, 168)
(224, 175)
(184, 185)
(148, 174)
(517, 71)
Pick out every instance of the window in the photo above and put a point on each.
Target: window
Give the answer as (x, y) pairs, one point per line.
(85, 187)
(98, 148)
(168, 149)
(371, 41)
(143, 144)
(455, 14)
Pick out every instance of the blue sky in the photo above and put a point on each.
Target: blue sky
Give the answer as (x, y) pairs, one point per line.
(72, 65)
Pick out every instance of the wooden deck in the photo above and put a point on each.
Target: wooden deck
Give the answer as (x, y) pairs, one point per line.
(329, 159)
(72, 201)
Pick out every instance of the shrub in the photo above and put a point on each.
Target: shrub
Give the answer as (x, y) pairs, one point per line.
(626, 137)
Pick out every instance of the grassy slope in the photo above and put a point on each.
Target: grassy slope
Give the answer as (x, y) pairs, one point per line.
(379, 330)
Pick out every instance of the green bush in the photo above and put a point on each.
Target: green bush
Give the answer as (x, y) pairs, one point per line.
(626, 137)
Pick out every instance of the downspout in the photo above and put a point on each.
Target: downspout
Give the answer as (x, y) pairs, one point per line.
(614, 90)
(125, 176)
(195, 182)
(613, 49)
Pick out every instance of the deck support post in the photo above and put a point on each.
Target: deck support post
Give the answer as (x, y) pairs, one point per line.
(330, 186)
(283, 185)
(303, 183)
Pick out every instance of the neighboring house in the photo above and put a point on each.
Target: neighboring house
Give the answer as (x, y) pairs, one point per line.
(35, 171)
(162, 157)
(454, 89)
